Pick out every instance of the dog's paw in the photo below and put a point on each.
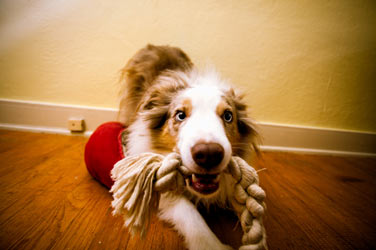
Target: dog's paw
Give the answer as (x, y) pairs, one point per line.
(210, 246)
(226, 247)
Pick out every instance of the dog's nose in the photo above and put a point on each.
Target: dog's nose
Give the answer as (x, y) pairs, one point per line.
(207, 155)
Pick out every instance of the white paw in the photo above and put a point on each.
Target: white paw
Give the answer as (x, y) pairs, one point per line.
(205, 245)
(227, 247)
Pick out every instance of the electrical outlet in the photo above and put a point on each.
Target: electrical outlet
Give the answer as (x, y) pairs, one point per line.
(76, 125)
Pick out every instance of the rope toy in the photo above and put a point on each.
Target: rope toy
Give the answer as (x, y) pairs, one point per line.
(139, 181)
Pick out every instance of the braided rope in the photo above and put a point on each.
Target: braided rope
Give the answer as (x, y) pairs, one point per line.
(248, 204)
(139, 181)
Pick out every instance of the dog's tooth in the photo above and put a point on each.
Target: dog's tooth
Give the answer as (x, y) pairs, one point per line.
(187, 182)
(217, 179)
(194, 178)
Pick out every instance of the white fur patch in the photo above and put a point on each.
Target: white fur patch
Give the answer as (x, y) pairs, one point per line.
(203, 124)
(138, 140)
(188, 222)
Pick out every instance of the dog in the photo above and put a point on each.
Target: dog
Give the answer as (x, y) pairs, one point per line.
(168, 105)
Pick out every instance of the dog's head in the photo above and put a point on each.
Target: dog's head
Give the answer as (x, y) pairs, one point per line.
(202, 118)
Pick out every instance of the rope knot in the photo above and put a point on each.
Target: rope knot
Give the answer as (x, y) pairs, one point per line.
(139, 180)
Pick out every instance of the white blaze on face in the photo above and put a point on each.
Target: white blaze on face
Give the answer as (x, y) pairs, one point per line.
(203, 125)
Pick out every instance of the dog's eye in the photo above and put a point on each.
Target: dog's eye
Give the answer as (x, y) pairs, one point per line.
(227, 116)
(180, 116)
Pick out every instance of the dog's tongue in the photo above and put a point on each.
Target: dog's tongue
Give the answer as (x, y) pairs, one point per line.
(205, 184)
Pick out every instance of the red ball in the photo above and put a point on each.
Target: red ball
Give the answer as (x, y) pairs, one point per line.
(103, 150)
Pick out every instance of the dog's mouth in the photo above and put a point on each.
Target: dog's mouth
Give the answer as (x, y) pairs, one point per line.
(204, 183)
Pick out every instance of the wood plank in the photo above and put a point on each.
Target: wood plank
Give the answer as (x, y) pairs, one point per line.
(49, 201)
(322, 202)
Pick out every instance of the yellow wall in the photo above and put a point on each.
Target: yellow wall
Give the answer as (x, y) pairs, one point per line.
(307, 63)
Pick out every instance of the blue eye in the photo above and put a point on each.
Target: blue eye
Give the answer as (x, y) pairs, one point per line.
(180, 116)
(227, 116)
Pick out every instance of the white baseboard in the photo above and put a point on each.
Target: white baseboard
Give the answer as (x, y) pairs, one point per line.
(50, 118)
(278, 137)
(53, 118)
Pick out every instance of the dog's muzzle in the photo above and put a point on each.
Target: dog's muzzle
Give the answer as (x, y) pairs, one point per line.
(207, 156)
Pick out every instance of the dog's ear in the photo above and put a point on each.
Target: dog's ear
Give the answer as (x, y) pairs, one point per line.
(140, 73)
(154, 109)
(156, 118)
(155, 105)
(246, 127)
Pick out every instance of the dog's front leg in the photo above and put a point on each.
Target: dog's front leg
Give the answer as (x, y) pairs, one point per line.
(188, 222)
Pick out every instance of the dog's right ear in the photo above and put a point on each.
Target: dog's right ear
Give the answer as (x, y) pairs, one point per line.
(140, 73)
(155, 104)
(154, 112)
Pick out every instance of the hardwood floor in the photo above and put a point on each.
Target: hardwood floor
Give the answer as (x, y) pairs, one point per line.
(49, 201)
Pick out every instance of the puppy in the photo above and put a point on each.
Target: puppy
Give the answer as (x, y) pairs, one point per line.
(168, 105)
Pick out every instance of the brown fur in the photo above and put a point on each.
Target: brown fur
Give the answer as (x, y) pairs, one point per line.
(241, 132)
(156, 110)
(141, 71)
(249, 139)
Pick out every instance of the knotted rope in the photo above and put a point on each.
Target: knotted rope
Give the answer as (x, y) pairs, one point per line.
(139, 181)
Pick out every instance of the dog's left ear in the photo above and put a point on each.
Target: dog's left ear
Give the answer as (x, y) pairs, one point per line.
(246, 127)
